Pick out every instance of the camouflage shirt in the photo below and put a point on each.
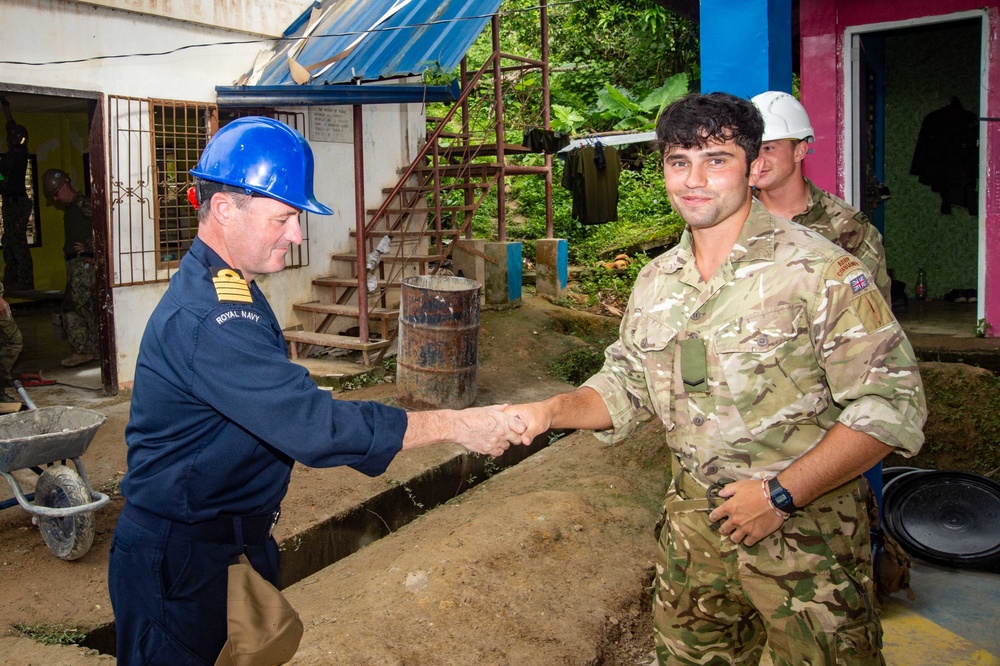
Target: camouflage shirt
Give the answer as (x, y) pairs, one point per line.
(848, 227)
(749, 370)
(78, 225)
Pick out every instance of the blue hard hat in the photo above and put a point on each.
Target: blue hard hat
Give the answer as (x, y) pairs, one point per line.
(264, 156)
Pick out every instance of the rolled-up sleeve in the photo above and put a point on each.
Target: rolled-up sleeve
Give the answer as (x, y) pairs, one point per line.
(623, 382)
(870, 366)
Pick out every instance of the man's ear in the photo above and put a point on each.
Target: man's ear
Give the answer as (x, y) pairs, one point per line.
(223, 208)
(755, 168)
(800, 151)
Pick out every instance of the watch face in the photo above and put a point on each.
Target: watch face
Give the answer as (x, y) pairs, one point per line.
(781, 497)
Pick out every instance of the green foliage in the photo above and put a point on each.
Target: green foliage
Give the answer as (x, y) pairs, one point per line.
(982, 327)
(630, 47)
(608, 285)
(578, 365)
(380, 374)
(629, 44)
(963, 421)
(566, 119)
(617, 107)
(51, 634)
(435, 75)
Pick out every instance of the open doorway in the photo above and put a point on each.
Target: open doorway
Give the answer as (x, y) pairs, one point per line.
(915, 99)
(66, 132)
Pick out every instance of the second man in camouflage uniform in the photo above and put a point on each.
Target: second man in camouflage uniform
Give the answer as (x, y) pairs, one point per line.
(785, 192)
(780, 376)
(79, 298)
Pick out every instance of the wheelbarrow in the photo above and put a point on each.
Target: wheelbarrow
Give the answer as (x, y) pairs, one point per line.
(63, 503)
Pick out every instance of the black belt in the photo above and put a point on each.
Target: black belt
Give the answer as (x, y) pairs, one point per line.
(256, 529)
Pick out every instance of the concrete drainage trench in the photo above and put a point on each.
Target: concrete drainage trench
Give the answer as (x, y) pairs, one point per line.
(323, 544)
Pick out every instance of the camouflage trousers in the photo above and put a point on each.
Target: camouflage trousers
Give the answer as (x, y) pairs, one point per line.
(10, 346)
(79, 315)
(18, 269)
(805, 591)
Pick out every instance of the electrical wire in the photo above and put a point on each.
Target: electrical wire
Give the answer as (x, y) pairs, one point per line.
(153, 54)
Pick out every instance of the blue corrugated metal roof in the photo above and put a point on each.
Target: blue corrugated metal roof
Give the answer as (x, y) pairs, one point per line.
(344, 41)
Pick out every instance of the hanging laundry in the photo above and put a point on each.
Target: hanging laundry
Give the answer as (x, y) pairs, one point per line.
(591, 175)
(541, 140)
(946, 157)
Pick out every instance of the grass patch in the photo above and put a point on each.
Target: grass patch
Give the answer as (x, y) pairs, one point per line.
(963, 421)
(385, 373)
(578, 365)
(51, 634)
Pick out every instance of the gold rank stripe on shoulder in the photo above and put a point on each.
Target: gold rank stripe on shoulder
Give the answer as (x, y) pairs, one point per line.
(230, 286)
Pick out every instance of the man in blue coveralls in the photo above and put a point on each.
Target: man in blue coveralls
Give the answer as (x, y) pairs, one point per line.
(219, 413)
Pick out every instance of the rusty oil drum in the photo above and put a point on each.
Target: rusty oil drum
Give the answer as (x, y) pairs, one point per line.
(438, 342)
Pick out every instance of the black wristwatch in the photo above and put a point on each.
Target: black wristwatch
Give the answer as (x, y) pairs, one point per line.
(781, 498)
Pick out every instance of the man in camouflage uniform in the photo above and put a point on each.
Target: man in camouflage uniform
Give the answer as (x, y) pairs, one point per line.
(10, 346)
(79, 306)
(785, 192)
(780, 376)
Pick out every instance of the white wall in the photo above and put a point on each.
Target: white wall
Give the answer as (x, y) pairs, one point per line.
(46, 31)
(265, 17)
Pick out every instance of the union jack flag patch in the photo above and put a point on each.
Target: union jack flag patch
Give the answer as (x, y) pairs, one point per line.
(859, 283)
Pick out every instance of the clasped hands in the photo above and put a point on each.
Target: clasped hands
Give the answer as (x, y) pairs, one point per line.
(492, 430)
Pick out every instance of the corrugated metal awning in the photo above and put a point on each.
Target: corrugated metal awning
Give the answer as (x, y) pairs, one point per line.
(343, 42)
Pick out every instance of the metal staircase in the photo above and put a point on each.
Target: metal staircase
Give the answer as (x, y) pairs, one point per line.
(422, 218)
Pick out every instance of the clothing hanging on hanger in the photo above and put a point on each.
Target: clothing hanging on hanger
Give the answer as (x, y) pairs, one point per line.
(541, 140)
(591, 175)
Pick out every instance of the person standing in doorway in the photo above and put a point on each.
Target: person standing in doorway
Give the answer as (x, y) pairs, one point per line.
(780, 376)
(787, 193)
(18, 270)
(79, 298)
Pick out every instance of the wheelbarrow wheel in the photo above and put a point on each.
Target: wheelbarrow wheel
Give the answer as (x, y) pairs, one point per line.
(69, 537)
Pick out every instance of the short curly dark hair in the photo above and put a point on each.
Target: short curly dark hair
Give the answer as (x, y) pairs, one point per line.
(694, 119)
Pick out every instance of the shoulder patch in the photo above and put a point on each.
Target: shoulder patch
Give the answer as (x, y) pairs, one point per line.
(845, 265)
(237, 313)
(230, 286)
(871, 310)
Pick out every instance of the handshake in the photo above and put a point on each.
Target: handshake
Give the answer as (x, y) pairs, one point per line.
(487, 430)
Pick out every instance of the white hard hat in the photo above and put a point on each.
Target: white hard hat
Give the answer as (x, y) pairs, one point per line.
(784, 117)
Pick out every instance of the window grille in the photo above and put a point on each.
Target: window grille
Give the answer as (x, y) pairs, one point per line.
(153, 146)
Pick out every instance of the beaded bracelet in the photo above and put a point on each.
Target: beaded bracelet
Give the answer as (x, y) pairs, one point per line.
(767, 494)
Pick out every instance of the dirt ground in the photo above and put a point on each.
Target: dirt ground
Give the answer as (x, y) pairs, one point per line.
(547, 562)
(556, 550)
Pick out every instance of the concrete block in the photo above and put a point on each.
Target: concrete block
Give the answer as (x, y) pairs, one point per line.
(468, 259)
(503, 274)
(551, 266)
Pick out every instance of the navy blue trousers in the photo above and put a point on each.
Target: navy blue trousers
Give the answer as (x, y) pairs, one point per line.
(169, 594)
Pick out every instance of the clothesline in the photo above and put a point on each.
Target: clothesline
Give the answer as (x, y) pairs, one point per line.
(610, 139)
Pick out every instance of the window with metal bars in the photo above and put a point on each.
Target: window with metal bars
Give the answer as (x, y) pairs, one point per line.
(153, 146)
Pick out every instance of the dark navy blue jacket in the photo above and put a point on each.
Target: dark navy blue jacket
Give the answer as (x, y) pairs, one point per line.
(219, 413)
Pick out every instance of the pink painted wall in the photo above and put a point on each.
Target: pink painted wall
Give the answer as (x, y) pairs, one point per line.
(822, 24)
